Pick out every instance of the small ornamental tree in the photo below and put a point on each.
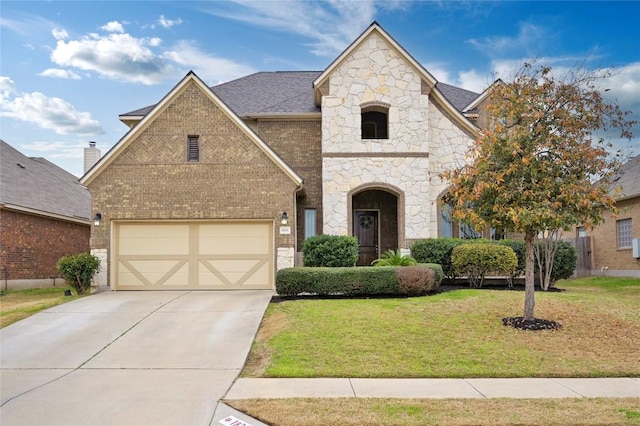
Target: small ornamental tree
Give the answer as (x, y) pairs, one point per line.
(532, 169)
(78, 270)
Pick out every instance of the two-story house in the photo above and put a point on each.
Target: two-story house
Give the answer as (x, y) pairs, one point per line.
(218, 187)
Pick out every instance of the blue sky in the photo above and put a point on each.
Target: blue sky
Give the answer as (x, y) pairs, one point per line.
(69, 68)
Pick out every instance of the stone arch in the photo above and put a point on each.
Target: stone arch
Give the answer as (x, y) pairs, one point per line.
(398, 193)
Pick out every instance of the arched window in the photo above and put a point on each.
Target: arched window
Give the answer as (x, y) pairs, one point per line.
(375, 122)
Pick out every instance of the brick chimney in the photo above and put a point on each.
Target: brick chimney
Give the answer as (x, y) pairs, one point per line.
(91, 156)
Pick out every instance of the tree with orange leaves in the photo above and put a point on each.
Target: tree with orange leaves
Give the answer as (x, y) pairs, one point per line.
(532, 170)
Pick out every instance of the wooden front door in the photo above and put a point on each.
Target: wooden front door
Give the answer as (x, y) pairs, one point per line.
(365, 229)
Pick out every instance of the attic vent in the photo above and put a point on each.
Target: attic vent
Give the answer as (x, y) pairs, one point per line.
(193, 149)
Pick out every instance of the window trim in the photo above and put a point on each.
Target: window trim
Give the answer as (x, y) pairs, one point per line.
(622, 239)
(313, 223)
(377, 108)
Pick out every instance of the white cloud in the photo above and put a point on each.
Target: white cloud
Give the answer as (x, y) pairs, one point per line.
(59, 34)
(116, 56)
(212, 69)
(347, 19)
(54, 149)
(529, 40)
(439, 72)
(475, 80)
(59, 73)
(7, 88)
(113, 27)
(168, 23)
(48, 113)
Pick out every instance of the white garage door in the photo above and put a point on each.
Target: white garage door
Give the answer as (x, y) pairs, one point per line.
(193, 255)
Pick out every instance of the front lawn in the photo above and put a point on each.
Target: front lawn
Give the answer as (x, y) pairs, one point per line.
(454, 334)
(19, 304)
(419, 412)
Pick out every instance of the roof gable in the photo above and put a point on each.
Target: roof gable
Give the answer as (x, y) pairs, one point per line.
(35, 185)
(429, 83)
(628, 179)
(150, 116)
(374, 28)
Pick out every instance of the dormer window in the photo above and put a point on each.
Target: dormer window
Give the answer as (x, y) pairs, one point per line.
(375, 121)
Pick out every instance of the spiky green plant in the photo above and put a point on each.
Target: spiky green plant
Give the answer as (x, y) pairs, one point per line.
(394, 258)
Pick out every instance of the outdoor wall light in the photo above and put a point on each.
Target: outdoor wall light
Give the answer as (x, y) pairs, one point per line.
(96, 219)
(284, 218)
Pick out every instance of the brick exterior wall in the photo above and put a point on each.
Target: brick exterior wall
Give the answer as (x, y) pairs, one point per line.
(31, 245)
(151, 178)
(606, 253)
(299, 144)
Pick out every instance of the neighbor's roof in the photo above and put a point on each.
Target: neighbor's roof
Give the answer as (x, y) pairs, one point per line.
(288, 92)
(35, 185)
(628, 178)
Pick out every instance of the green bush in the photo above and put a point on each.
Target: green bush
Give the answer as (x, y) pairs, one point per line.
(518, 247)
(437, 250)
(394, 258)
(357, 281)
(78, 270)
(564, 262)
(330, 251)
(325, 281)
(475, 260)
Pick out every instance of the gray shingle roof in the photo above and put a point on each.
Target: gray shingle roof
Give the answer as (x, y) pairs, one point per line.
(629, 178)
(458, 97)
(289, 92)
(37, 184)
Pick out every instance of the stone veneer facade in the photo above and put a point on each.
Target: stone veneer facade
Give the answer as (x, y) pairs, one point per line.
(422, 141)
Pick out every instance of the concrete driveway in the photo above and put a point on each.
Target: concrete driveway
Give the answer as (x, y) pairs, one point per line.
(139, 358)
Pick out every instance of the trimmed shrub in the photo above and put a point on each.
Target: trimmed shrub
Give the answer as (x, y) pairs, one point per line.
(330, 251)
(437, 269)
(394, 258)
(415, 280)
(475, 260)
(564, 262)
(518, 247)
(357, 281)
(438, 250)
(78, 270)
(325, 281)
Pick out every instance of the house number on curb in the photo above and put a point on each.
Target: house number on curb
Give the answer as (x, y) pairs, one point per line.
(232, 421)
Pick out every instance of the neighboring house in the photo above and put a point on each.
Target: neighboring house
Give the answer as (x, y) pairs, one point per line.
(44, 214)
(611, 241)
(194, 195)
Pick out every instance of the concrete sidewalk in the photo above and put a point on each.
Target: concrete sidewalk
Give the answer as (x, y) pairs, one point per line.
(250, 388)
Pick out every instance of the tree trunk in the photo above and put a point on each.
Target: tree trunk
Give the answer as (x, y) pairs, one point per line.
(529, 283)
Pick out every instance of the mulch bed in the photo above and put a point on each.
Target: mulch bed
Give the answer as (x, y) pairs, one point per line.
(536, 324)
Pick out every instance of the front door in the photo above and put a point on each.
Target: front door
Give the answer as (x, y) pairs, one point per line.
(365, 229)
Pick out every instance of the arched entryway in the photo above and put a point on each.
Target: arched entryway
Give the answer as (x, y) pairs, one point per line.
(376, 219)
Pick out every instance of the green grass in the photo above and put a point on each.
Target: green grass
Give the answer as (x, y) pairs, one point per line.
(418, 412)
(454, 334)
(19, 304)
